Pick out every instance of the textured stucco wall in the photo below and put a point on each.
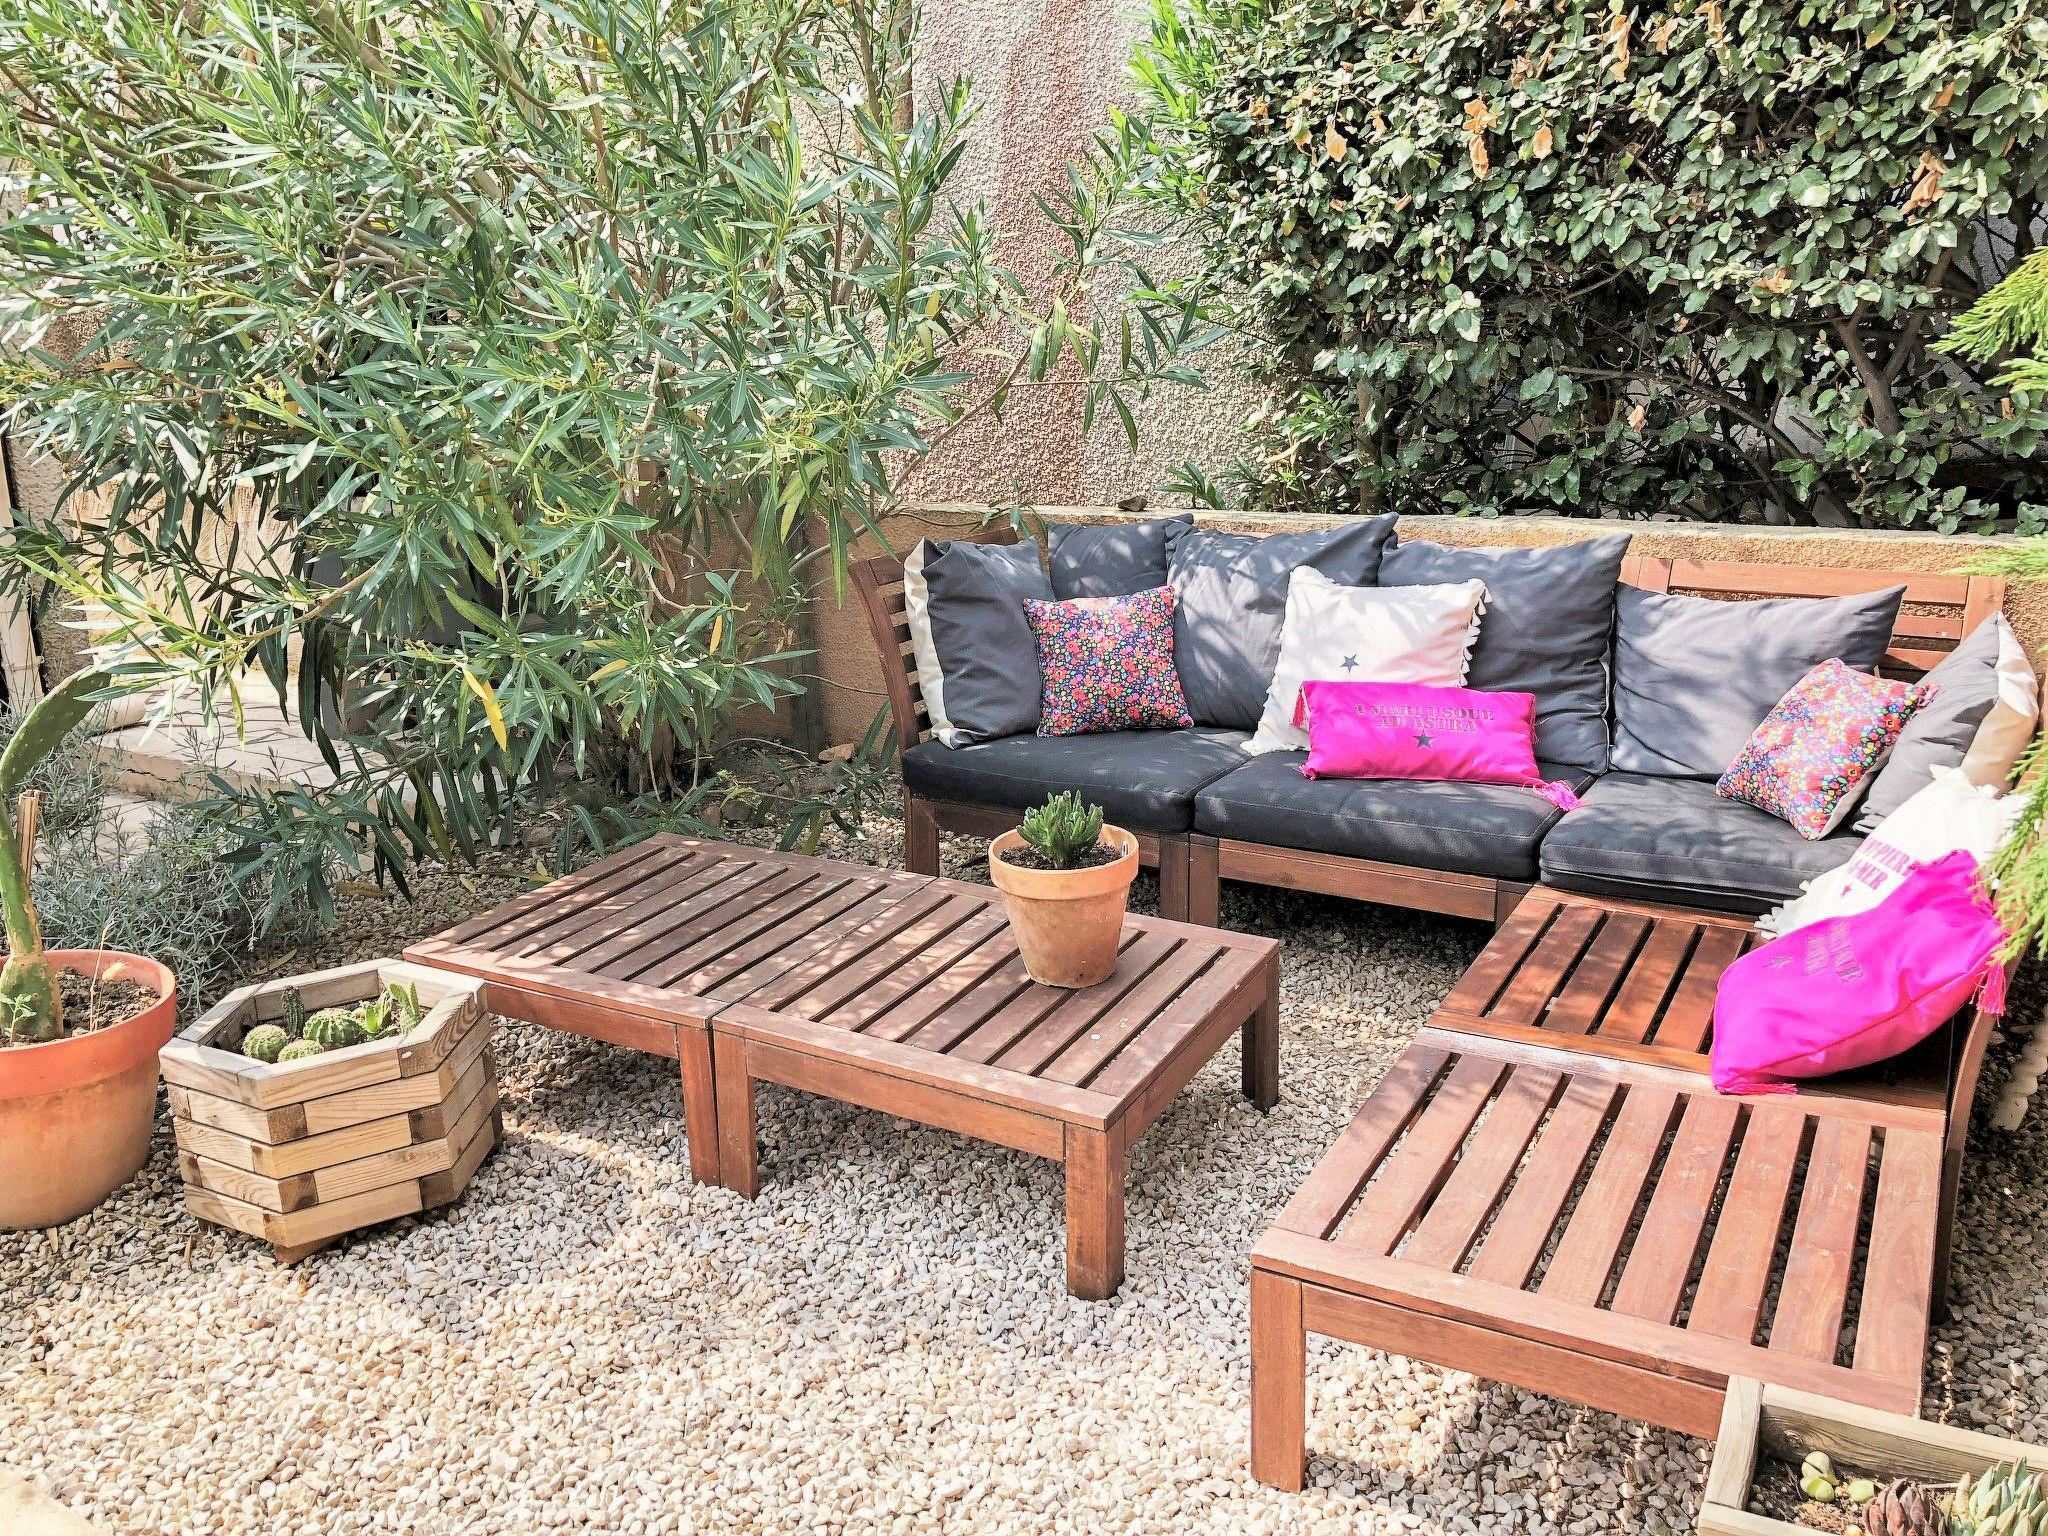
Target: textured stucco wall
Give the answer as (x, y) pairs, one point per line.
(1046, 74)
(852, 674)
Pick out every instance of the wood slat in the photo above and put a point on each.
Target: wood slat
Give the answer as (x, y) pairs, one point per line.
(1898, 1279)
(1232, 985)
(1689, 1017)
(1475, 991)
(859, 989)
(798, 953)
(1738, 1269)
(502, 920)
(1639, 1004)
(1508, 1254)
(1601, 1220)
(980, 942)
(1817, 1270)
(1088, 1053)
(1447, 1232)
(931, 995)
(1420, 1164)
(1535, 980)
(583, 925)
(666, 909)
(1328, 1192)
(1011, 1042)
(802, 908)
(1581, 1003)
(1674, 1224)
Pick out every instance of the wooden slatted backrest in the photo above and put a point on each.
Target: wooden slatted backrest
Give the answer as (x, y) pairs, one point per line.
(879, 583)
(1937, 612)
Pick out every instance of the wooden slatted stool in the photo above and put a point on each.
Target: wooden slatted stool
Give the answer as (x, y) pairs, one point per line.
(1546, 1190)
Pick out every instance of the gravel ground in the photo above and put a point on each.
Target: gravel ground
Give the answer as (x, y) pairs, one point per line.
(589, 1343)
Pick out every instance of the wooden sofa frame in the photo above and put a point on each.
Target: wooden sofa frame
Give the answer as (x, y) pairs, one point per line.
(1938, 611)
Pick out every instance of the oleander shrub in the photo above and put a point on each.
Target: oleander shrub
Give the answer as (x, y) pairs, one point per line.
(501, 380)
(1684, 257)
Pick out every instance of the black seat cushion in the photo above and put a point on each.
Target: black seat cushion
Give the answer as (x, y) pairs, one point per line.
(1473, 829)
(1143, 780)
(1675, 840)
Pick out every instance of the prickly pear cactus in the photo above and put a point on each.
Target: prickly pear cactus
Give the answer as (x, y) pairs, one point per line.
(294, 1020)
(299, 1050)
(333, 1028)
(265, 1042)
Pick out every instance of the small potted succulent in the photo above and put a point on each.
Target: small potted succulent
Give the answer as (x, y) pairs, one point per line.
(1066, 879)
(79, 1029)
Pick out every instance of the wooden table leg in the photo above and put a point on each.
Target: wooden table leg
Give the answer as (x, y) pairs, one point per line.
(738, 1147)
(1259, 1049)
(1279, 1382)
(1095, 1214)
(700, 1103)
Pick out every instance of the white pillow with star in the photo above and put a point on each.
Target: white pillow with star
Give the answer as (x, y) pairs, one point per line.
(1336, 633)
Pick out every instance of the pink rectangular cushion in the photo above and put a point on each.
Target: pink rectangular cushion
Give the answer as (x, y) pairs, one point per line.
(1849, 991)
(1420, 731)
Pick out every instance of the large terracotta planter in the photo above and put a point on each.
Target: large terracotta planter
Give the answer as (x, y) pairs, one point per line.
(1067, 921)
(75, 1114)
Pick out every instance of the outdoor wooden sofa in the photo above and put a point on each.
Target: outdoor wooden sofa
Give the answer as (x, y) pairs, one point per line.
(1545, 1190)
(1938, 611)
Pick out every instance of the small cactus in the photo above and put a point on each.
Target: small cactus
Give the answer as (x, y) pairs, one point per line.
(294, 1020)
(1064, 830)
(374, 1015)
(333, 1028)
(410, 1010)
(299, 1050)
(265, 1042)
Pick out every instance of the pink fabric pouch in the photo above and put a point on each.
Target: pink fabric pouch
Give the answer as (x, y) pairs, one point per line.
(1420, 731)
(1849, 991)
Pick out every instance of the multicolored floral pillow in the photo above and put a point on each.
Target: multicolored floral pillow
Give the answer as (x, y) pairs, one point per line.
(1816, 750)
(1106, 664)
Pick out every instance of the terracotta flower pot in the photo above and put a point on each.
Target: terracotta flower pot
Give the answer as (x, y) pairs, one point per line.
(75, 1114)
(1067, 921)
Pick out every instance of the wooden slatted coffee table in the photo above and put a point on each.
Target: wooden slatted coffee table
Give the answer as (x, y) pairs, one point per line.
(925, 1012)
(634, 948)
(897, 992)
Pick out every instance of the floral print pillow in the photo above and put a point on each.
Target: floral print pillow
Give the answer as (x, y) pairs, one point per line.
(1813, 755)
(1106, 664)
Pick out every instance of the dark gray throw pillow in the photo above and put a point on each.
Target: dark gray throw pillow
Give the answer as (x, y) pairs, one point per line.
(977, 662)
(1965, 684)
(1695, 676)
(1111, 559)
(1548, 624)
(1230, 598)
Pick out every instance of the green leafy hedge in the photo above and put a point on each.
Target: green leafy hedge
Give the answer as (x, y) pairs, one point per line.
(1576, 256)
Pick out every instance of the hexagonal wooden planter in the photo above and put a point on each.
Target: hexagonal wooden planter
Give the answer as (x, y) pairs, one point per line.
(298, 1153)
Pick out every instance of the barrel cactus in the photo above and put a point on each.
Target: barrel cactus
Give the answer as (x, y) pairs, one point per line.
(299, 1050)
(265, 1042)
(333, 1028)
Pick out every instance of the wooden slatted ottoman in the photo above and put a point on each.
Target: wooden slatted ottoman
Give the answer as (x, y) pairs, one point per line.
(1546, 1190)
(299, 1153)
